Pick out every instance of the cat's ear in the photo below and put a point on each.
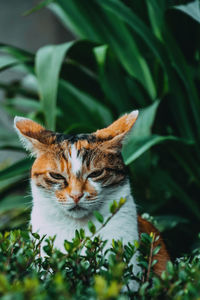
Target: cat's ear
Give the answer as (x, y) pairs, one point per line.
(115, 133)
(33, 136)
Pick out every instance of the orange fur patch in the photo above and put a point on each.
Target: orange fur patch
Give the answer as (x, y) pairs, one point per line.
(120, 126)
(28, 126)
(162, 256)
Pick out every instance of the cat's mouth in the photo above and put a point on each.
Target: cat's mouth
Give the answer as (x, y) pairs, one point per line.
(77, 208)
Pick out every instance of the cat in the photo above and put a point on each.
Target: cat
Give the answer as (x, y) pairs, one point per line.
(73, 175)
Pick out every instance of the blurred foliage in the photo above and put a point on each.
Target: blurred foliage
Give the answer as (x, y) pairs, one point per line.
(128, 55)
(94, 273)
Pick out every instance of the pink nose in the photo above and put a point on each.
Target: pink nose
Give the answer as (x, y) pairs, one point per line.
(76, 197)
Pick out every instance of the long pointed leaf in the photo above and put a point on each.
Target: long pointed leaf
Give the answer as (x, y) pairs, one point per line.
(135, 147)
(17, 168)
(48, 64)
(83, 106)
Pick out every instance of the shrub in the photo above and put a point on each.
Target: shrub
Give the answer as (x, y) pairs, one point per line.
(72, 275)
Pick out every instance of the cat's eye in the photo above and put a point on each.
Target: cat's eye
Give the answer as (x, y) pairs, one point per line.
(96, 173)
(56, 176)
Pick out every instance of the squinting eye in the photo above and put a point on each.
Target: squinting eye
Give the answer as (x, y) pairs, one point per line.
(56, 176)
(96, 174)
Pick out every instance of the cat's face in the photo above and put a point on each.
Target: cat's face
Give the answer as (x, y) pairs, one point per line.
(76, 171)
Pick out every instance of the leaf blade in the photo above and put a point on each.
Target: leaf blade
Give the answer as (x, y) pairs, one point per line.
(48, 64)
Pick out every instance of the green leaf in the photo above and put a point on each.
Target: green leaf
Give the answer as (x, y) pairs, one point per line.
(48, 64)
(136, 146)
(170, 267)
(82, 233)
(73, 15)
(140, 138)
(14, 202)
(156, 250)
(7, 62)
(143, 288)
(9, 140)
(68, 246)
(156, 16)
(146, 238)
(98, 216)
(110, 76)
(36, 235)
(113, 207)
(191, 9)
(25, 103)
(122, 202)
(143, 125)
(82, 106)
(16, 56)
(6, 184)
(17, 168)
(91, 227)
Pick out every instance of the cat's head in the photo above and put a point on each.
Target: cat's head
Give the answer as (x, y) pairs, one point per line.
(78, 172)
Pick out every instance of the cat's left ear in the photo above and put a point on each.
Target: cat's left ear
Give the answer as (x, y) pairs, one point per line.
(34, 137)
(115, 134)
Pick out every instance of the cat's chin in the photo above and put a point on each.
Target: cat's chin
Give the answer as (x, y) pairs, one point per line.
(77, 212)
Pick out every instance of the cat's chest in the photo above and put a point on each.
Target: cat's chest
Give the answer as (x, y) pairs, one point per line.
(121, 226)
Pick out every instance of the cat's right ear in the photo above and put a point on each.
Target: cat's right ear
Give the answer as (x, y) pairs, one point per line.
(33, 136)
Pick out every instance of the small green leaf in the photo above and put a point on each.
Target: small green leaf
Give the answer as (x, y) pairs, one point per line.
(68, 246)
(143, 288)
(170, 267)
(98, 216)
(113, 207)
(136, 244)
(154, 262)
(77, 235)
(82, 233)
(36, 235)
(122, 201)
(156, 250)
(91, 227)
(146, 238)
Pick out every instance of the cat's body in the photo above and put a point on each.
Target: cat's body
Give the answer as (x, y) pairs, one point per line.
(73, 175)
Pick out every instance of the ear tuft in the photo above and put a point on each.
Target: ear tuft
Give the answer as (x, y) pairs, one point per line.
(27, 126)
(33, 136)
(119, 128)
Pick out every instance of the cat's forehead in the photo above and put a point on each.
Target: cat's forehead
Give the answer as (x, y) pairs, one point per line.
(74, 138)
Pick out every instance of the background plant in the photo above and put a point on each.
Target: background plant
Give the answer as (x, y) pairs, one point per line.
(128, 55)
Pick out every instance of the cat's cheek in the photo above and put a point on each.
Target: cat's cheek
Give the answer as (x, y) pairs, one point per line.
(94, 187)
(61, 196)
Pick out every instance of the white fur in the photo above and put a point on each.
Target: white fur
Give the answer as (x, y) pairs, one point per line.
(132, 115)
(52, 218)
(76, 161)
